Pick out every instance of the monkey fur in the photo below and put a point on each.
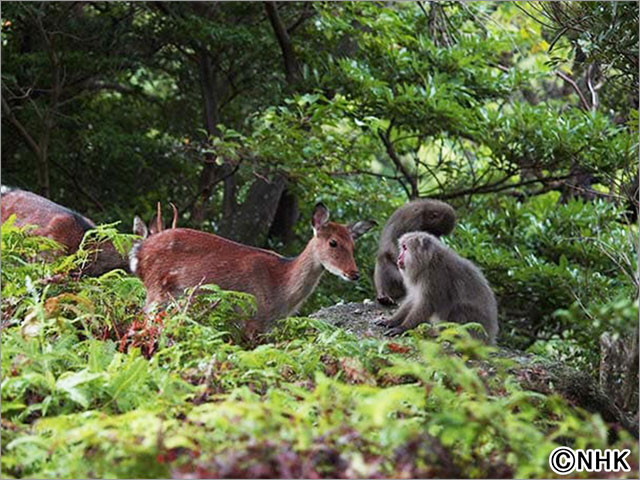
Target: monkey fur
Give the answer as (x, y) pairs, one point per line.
(425, 215)
(441, 286)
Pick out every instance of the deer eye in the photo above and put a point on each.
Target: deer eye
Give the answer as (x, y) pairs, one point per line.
(333, 243)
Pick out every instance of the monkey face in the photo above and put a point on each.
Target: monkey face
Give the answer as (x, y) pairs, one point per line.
(407, 256)
(415, 252)
(402, 256)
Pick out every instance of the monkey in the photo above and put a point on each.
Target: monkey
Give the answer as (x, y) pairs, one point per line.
(441, 286)
(425, 215)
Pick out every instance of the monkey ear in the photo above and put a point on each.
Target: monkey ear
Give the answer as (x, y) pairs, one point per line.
(320, 216)
(360, 228)
(426, 243)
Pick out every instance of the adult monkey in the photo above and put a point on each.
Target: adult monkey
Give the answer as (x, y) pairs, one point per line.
(441, 287)
(423, 215)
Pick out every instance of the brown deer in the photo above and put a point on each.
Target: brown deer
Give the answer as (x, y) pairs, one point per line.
(174, 260)
(60, 224)
(156, 224)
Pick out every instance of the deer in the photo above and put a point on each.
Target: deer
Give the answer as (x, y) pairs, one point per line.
(174, 260)
(156, 224)
(61, 224)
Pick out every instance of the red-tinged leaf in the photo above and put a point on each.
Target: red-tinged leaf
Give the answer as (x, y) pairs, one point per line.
(398, 348)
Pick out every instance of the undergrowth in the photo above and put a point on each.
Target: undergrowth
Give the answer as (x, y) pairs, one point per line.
(93, 388)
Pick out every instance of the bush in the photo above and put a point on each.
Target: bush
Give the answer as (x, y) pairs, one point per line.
(85, 395)
(545, 260)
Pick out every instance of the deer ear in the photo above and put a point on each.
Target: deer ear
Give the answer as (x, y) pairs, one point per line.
(139, 228)
(360, 228)
(153, 225)
(320, 216)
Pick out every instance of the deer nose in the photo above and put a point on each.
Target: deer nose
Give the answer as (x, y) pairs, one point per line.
(354, 275)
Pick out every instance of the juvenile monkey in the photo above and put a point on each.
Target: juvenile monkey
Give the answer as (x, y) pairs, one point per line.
(425, 215)
(441, 283)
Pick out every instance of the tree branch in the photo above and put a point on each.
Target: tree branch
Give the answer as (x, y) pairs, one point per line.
(563, 76)
(592, 89)
(288, 55)
(31, 143)
(306, 15)
(213, 183)
(393, 155)
(364, 172)
(572, 82)
(78, 185)
(499, 186)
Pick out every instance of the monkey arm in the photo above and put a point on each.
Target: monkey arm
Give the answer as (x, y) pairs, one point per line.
(397, 318)
(418, 313)
(387, 279)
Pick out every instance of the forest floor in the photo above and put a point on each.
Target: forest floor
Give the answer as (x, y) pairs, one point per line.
(357, 318)
(94, 388)
(533, 372)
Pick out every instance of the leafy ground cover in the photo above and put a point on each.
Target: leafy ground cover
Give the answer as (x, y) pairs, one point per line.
(92, 388)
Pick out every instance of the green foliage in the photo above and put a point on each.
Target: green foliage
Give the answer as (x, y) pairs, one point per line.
(601, 34)
(79, 401)
(24, 258)
(542, 258)
(466, 96)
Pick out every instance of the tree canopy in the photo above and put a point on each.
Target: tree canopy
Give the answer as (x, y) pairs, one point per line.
(111, 107)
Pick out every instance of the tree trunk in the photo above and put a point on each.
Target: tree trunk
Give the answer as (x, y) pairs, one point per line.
(619, 370)
(43, 157)
(269, 209)
(251, 221)
(285, 218)
(578, 186)
(210, 171)
(630, 391)
(631, 192)
(44, 183)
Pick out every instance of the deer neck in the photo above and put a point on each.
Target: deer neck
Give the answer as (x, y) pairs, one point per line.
(303, 276)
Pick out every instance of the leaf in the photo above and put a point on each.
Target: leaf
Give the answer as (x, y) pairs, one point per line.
(133, 370)
(398, 347)
(31, 326)
(355, 371)
(69, 383)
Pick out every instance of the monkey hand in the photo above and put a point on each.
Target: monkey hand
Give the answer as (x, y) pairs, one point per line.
(382, 322)
(395, 332)
(387, 322)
